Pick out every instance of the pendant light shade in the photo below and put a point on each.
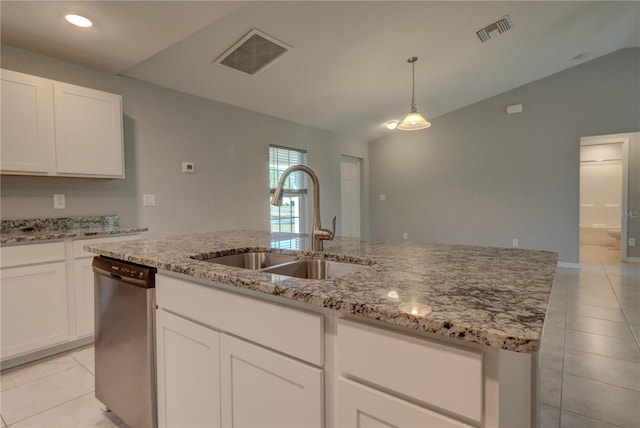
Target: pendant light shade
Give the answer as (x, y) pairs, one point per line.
(414, 120)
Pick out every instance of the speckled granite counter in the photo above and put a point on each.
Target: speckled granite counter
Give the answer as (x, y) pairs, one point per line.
(42, 229)
(494, 296)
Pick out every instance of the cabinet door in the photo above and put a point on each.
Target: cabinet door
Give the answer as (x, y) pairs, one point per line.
(261, 388)
(363, 407)
(34, 308)
(83, 285)
(27, 124)
(88, 132)
(188, 373)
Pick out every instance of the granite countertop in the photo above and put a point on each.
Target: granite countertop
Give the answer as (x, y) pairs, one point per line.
(494, 296)
(43, 229)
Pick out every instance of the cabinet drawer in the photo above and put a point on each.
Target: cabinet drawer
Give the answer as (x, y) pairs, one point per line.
(291, 331)
(446, 377)
(31, 254)
(78, 246)
(360, 406)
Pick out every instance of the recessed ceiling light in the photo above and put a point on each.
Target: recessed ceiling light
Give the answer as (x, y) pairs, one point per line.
(77, 20)
(392, 124)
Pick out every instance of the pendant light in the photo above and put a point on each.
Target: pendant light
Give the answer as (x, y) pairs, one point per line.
(414, 120)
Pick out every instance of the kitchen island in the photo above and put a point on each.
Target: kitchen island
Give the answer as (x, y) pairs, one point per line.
(440, 333)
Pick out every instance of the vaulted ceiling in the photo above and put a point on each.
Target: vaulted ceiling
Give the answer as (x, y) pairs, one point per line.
(347, 71)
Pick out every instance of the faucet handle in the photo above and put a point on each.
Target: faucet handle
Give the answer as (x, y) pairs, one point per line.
(333, 228)
(326, 234)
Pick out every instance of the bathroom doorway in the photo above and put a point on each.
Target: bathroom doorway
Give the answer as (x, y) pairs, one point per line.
(604, 164)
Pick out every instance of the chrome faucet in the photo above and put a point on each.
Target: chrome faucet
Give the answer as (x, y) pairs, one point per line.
(318, 234)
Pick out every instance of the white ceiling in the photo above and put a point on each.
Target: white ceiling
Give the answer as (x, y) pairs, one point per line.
(347, 72)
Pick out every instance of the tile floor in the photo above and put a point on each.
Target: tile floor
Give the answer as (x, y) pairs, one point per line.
(54, 392)
(589, 359)
(590, 354)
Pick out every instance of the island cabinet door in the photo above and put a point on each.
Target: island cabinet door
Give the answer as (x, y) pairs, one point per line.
(363, 407)
(261, 388)
(188, 375)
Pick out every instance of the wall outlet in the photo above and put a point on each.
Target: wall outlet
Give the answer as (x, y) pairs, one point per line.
(405, 235)
(149, 200)
(515, 242)
(632, 242)
(59, 202)
(383, 198)
(189, 167)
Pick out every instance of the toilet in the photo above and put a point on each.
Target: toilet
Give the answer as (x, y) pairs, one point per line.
(615, 234)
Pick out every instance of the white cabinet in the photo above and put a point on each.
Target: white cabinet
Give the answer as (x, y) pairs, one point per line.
(88, 126)
(263, 388)
(359, 406)
(263, 377)
(34, 298)
(27, 124)
(57, 129)
(46, 294)
(188, 373)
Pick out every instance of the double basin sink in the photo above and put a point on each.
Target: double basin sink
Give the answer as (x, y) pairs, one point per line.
(285, 264)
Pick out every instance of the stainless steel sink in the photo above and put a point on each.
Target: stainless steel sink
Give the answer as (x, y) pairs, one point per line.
(315, 269)
(252, 260)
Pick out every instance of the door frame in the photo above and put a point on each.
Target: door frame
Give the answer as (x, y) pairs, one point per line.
(615, 139)
(360, 190)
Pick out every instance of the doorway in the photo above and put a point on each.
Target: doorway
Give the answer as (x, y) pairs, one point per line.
(604, 181)
(350, 194)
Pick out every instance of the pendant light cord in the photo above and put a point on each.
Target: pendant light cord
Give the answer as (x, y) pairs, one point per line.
(413, 60)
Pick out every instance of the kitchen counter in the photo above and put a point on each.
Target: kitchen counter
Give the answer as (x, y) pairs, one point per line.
(31, 230)
(494, 296)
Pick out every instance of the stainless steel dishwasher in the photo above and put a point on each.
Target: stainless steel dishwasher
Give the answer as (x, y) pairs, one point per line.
(124, 340)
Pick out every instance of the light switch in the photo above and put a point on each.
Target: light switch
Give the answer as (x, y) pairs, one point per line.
(149, 200)
(59, 202)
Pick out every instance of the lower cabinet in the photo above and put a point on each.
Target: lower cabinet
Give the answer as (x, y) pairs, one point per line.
(34, 308)
(188, 373)
(262, 388)
(360, 406)
(83, 285)
(209, 379)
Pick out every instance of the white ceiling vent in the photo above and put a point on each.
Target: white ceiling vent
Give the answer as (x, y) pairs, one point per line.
(501, 25)
(254, 52)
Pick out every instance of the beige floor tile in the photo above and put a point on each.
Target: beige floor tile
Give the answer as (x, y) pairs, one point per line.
(551, 360)
(77, 413)
(3, 422)
(42, 394)
(548, 416)
(602, 345)
(603, 369)
(86, 357)
(555, 318)
(617, 329)
(26, 373)
(552, 338)
(573, 420)
(600, 401)
(611, 314)
(550, 387)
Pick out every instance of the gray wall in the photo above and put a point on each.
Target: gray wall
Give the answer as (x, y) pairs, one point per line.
(163, 128)
(479, 176)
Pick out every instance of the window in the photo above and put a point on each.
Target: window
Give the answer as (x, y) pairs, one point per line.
(291, 216)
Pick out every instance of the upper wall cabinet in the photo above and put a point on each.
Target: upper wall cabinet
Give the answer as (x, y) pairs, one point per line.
(57, 129)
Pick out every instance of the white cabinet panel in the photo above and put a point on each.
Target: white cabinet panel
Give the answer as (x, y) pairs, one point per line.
(34, 308)
(83, 285)
(448, 377)
(27, 124)
(88, 131)
(188, 373)
(261, 388)
(27, 254)
(363, 407)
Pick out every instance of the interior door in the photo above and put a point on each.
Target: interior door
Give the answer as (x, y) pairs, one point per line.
(350, 196)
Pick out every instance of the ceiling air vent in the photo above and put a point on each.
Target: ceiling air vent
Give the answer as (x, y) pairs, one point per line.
(253, 53)
(502, 25)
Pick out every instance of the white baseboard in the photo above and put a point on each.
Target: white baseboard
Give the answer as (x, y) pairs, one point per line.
(569, 265)
(632, 259)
